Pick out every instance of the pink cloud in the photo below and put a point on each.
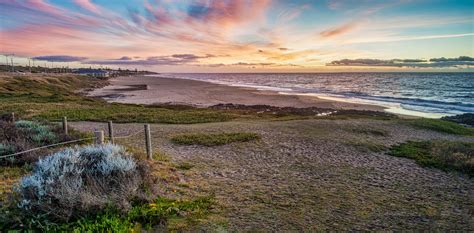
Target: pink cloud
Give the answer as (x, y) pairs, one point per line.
(228, 13)
(88, 5)
(339, 30)
(292, 13)
(43, 6)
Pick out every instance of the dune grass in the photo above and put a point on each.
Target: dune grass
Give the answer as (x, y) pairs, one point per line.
(184, 166)
(367, 146)
(444, 155)
(442, 126)
(370, 131)
(214, 139)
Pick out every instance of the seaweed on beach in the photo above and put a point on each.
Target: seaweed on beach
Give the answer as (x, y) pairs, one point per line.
(309, 111)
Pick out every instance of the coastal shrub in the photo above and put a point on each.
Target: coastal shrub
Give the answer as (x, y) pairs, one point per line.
(6, 149)
(13, 140)
(466, 119)
(444, 155)
(80, 181)
(213, 139)
(442, 126)
(24, 135)
(39, 133)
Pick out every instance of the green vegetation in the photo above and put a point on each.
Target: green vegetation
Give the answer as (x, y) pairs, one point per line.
(371, 131)
(442, 126)
(39, 132)
(184, 166)
(8, 177)
(214, 139)
(155, 215)
(23, 135)
(6, 149)
(466, 119)
(360, 114)
(151, 214)
(54, 96)
(445, 155)
(367, 146)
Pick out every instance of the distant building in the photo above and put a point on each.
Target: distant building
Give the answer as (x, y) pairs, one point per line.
(93, 72)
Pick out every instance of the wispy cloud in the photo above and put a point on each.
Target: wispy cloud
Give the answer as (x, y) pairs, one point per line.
(342, 29)
(88, 5)
(175, 59)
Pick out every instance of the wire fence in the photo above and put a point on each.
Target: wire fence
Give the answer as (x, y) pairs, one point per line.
(127, 136)
(99, 138)
(44, 147)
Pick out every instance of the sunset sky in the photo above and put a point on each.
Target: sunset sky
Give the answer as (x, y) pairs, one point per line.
(242, 35)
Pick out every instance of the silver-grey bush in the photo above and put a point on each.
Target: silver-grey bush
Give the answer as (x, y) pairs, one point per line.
(80, 180)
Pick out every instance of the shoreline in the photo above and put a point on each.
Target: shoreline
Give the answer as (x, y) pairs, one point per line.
(163, 90)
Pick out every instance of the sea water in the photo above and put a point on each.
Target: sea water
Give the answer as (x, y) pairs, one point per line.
(422, 94)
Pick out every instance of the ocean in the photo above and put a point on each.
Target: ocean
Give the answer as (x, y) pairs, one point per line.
(421, 94)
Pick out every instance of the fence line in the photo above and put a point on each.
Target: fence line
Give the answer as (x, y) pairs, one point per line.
(99, 136)
(133, 134)
(43, 147)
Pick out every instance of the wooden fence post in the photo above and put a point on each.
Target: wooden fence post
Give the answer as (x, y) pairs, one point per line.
(65, 125)
(149, 153)
(111, 132)
(99, 137)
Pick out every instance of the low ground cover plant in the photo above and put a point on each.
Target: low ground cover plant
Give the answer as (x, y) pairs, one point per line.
(444, 155)
(214, 139)
(442, 126)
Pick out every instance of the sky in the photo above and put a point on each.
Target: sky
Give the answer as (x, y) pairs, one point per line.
(241, 35)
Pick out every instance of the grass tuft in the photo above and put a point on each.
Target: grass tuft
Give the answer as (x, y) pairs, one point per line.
(367, 146)
(442, 126)
(444, 155)
(184, 166)
(214, 139)
(371, 131)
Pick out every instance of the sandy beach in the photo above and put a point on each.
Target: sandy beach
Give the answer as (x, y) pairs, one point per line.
(158, 90)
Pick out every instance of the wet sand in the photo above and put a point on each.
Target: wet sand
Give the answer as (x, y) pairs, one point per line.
(157, 90)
